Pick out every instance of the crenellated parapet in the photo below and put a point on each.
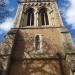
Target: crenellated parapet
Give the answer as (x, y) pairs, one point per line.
(36, 1)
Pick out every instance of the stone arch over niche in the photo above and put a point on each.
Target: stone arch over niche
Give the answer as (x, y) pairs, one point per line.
(37, 42)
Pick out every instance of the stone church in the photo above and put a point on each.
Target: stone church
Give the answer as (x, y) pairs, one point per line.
(39, 44)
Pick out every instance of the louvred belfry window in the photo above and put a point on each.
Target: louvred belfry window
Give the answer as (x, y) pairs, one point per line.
(30, 17)
(43, 16)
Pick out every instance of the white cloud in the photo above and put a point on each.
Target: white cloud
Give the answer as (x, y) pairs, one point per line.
(7, 25)
(1, 33)
(11, 9)
(6, 1)
(69, 12)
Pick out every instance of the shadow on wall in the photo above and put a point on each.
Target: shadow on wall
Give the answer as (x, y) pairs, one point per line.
(17, 53)
(2, 71)
(20, 66)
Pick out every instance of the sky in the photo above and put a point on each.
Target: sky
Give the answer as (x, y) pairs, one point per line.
(67, 11)
(6, 26)
(66, 8)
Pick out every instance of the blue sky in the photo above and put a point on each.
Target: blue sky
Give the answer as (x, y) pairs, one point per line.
(66, 7)
(8, 23)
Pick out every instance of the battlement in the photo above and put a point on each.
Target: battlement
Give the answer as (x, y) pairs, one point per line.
(36, 0)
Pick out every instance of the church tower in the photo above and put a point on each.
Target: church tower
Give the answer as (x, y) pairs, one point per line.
(40, 40)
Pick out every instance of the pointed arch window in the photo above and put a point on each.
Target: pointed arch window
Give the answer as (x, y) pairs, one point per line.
(43, 16)
(37, 42)
(30, 17)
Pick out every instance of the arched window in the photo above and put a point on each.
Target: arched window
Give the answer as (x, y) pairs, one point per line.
(37, 42)
(43, 16)
(30, 17)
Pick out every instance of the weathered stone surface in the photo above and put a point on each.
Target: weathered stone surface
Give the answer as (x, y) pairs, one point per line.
(37, 67)
(5, 51)
(54, 41)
